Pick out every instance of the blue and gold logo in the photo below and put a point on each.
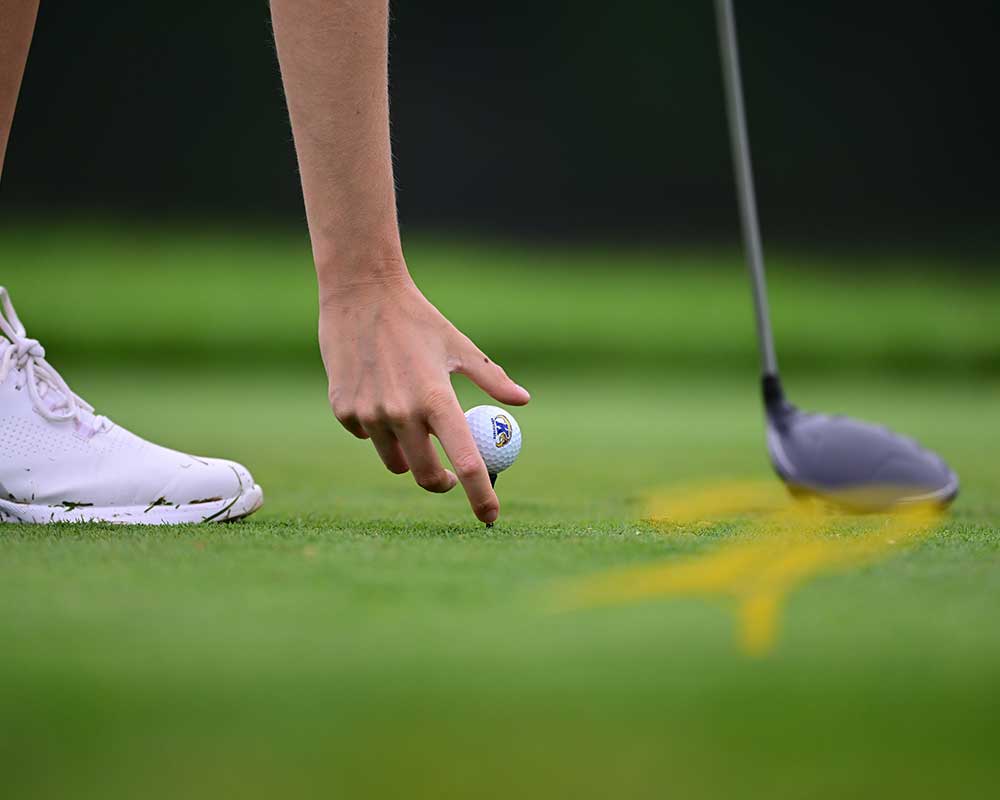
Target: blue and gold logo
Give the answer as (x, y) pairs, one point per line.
(502, 430)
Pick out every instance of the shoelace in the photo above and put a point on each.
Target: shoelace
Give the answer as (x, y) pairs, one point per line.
(28, 355)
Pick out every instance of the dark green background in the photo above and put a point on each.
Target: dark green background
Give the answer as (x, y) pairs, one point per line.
(869, 121)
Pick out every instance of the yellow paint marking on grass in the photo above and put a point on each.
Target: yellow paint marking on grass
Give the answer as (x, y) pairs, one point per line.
(704, 505)
(771, 554)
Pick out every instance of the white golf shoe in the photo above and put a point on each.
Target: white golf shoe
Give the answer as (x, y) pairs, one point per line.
(60, 462)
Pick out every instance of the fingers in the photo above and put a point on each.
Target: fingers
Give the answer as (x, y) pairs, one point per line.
(491, 378)
(356, 428)
(448, 423)
(404, 444)
(348, 419)
(388, 448)
(423, 459)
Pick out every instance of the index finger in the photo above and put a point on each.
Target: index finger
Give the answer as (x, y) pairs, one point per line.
(449, 425)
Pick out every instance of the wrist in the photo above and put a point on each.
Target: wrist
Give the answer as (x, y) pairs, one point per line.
(362, 281)
(346, 269)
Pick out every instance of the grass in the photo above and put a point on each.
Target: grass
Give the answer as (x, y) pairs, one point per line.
(359, 637)
(206, 298)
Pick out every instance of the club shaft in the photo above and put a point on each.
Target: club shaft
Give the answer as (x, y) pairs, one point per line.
(740, 143)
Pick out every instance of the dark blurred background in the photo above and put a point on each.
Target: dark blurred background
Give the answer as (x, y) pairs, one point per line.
(869, 121)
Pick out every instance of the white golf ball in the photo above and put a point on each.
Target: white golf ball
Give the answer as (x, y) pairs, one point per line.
(497, 435)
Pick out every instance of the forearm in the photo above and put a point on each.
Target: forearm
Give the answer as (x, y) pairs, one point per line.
(17, 21)
(333, 56)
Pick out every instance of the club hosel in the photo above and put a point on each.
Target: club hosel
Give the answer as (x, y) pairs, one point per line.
(776, 405)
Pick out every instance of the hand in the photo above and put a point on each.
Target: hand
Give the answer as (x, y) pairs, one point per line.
(388, 354)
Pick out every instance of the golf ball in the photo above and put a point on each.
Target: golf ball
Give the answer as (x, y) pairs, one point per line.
(497, 435)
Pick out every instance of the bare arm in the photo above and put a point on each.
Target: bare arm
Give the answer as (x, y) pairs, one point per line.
(388, 352)
(17, 22)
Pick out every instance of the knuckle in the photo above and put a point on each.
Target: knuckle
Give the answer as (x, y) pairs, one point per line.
(484, 506)
(438, 400)
(344, 413)
(468, 465)
(352, 427)
(429, 480)
(396, 468)
(394, 413)
(367, 416)
(346, 416)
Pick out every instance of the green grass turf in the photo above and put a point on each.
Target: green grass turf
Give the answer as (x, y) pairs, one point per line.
(359, 637)
(160, 297)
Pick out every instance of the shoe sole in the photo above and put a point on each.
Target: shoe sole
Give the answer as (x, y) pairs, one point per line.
(159, 513)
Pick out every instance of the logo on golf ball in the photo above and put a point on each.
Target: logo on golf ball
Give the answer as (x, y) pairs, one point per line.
(501, 430)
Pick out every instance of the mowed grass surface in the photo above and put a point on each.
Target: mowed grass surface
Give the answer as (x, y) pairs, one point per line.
(359, 637)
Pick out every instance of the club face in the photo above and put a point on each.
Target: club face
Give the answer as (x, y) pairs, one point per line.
(854, 464)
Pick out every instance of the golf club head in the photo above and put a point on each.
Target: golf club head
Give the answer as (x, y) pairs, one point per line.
(854, 464)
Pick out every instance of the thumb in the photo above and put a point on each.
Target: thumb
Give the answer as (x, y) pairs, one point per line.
(491, 378)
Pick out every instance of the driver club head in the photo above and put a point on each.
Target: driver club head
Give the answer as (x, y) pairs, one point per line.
(854, 464)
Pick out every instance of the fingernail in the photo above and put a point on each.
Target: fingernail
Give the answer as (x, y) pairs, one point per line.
(491, 516)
